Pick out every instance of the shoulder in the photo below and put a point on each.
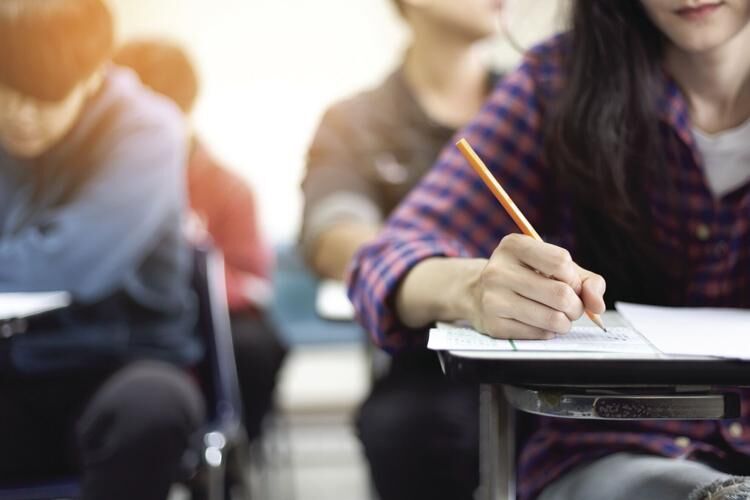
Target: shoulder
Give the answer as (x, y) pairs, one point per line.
(130, 120)
(367, 102)
(364, 115)
(541, 73)
(141, 109)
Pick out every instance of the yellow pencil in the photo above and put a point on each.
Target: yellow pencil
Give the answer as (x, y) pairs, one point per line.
(523, 224)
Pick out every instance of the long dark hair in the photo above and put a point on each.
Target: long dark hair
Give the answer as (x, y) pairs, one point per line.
(603, 140)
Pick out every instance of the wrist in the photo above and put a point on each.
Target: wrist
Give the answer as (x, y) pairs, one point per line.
(462, 302)
(439, 289)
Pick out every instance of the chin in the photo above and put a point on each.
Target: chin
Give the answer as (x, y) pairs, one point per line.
(699, 46)
(700, 40)
(27, 150)
(480, 33)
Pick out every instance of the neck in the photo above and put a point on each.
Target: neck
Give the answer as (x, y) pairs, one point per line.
(447, 75)
(716, 83)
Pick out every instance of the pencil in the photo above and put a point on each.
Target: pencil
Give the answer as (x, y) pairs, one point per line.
(523, 224)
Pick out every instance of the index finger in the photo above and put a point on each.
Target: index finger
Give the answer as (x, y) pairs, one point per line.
(546, 258)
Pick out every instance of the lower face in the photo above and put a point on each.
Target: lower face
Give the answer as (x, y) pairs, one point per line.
(23, 146)
(29, 127)
(474, 19)
(699, 26)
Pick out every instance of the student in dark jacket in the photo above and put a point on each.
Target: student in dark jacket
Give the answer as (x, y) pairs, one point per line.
(91, 201)
(225, 207)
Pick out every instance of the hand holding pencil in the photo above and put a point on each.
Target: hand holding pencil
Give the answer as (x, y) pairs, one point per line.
(529, 285)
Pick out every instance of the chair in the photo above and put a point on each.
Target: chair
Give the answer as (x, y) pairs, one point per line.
(216, 463)
(293, 309)
(44, 490)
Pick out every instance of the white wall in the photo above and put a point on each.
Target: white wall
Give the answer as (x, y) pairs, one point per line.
(270, 67)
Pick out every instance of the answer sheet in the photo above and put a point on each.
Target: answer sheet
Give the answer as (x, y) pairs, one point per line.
(698, 331)
(20, 305)
(331, 302)
(617, 339)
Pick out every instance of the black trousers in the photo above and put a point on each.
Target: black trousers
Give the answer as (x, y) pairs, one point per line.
(420, 432)
(125, 430)
(259, 353)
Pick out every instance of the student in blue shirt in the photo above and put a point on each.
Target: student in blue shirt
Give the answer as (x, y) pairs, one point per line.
(91, 199)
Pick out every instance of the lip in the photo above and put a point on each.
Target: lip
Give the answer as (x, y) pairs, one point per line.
(699, 12)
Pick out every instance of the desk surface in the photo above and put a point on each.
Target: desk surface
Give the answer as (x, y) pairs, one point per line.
(589, 368)
(572, 372)
(22, 305)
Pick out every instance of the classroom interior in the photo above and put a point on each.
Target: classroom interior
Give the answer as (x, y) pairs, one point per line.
(268, 71)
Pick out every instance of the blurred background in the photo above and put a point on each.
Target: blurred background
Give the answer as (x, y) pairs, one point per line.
(268, 70)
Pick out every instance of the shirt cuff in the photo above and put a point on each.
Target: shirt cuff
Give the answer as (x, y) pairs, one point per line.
(376, 274)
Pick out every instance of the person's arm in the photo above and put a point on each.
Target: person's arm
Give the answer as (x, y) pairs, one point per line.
(456, 278)
(245, 249)
(247, 258)
(422, 267)
(336, 245)
(226, 205)
(90, 245)
(341, 211)
(526, 290)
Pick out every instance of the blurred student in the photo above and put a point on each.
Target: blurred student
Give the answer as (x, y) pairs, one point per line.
(638, 176)
(91, 201)
(225, 205)
(418, 430)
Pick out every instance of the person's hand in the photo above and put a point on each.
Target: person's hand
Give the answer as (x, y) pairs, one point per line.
(531, 290)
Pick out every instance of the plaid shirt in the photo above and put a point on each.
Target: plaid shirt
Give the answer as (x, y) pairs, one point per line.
(451, 213)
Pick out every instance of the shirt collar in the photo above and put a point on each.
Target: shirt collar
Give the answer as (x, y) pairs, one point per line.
(673, 111)
(409, 102)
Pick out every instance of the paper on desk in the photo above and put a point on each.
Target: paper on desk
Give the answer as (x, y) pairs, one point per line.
(21, 305)
(715, 332)
(332, 303)
(580, 339)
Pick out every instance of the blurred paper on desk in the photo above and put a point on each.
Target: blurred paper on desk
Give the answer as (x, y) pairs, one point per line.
(582, 338)
(22, 305)
(331, 302)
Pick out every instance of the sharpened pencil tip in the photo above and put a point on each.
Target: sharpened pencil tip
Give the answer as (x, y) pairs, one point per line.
(596, 320)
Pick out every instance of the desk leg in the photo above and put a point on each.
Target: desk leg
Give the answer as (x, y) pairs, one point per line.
(496, 445)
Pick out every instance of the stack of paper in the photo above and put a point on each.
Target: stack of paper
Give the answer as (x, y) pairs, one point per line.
(723, 333)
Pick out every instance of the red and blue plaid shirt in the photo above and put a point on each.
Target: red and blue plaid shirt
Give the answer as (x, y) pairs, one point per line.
(451, 213)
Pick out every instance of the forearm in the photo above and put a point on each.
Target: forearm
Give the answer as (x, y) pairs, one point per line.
(439, 289)
(82, 255)
(336, 246)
